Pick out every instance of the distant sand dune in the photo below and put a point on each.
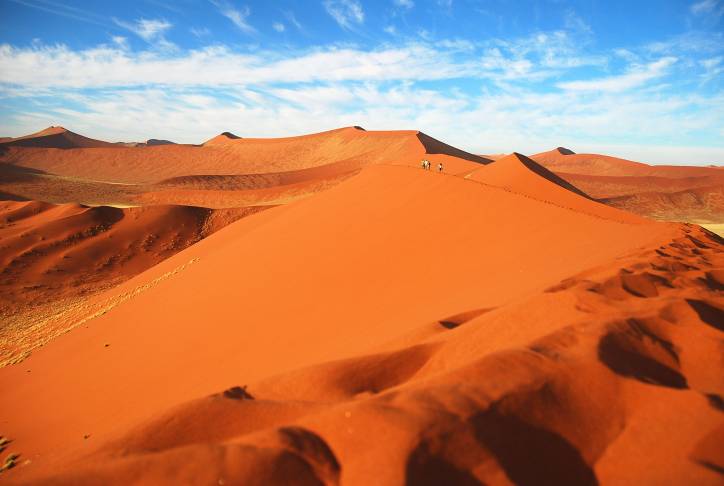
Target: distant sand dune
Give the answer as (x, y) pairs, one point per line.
(671, 193)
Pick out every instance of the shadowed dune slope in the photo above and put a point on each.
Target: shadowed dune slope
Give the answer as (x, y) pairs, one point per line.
(236, 156)
(674, 193)
(222, 138)
(390, 252)
(519, 174)
(52, 255)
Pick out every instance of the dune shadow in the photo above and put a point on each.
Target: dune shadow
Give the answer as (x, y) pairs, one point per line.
(7, 196)
(715, 401)
(425, 469)
(16, 173)
(238, 393)
(433, 146)
(708, 313)
(621, 357)
(459, 319)
(312, 447)
(710, 465)
(712, 282)
(531, 455)
(541, 171)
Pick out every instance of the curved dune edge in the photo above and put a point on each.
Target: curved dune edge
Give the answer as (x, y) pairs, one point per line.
(461, 369)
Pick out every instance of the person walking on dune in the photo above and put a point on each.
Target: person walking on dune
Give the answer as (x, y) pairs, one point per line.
(439, 167)
(423, 164)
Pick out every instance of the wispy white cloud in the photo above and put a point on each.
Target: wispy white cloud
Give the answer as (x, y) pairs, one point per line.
(238, 16)
(574, 22)
(637, 76)
(173, 7)
(278, 26)
(446, 4)
(504, 67)
(704, 7)
(714, 67)
(292, 19)
(59, 66)
(692, 43)
(152, 31)
(347, 13)
(200, 32)
(64, 10)
(120, 41)
(404, 3)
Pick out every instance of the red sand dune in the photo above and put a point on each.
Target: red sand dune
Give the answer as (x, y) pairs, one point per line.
(55, 137)
(238, 156)
(226, 172)
(325, 159)
(566, 161)
(222, 138)
(519, 174)
(696, 204)
(54, 256)
(674, 193)
(402, 327)
(602, 187)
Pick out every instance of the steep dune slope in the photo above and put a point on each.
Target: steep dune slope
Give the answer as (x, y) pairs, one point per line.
(55, 256)
(521, 175)
(381, 258)
(221, 139)
(673, 193)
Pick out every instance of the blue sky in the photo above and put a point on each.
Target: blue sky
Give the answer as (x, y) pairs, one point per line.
(638, 79)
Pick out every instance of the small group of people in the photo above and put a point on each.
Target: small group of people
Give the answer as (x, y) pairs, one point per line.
(425, 164)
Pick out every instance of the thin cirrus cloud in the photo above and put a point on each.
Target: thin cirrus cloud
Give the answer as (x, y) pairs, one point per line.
(292, 20)
(404, 3)
(149, 30)
(635, 78)
(239, 16)
(347, 13)
(62, 10)
(707, 7)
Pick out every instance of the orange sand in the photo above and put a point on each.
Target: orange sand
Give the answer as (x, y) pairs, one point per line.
(664, 192)
(487, 325)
